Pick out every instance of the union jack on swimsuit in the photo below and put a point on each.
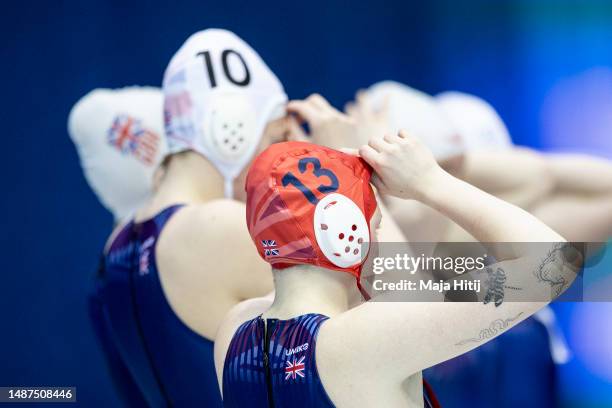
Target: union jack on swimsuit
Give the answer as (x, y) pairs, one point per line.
(292, 367)
(295, 368)
(290, 378)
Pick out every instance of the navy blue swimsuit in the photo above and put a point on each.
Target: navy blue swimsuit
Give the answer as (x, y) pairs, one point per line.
(271, 363)
(155, 359)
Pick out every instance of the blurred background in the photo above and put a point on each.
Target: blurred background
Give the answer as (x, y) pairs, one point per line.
(545, 65)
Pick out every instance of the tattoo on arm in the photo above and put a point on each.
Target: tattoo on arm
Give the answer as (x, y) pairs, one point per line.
(495, 286)
(550, 270)
(495, 328)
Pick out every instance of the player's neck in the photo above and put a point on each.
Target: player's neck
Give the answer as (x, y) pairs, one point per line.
(191, 179)
(306, 289)
(188, 178)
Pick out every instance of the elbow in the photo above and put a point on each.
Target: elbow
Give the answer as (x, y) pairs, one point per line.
(573, 255)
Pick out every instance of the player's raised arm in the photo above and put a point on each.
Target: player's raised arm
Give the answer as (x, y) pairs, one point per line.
(408, 337)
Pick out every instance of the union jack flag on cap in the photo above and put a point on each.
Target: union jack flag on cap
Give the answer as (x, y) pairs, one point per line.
(130, 137)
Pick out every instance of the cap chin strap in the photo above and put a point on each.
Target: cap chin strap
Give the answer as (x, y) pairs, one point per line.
(362, 290)
(228, 187)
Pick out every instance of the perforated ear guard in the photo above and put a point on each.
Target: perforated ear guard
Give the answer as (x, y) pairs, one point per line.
(341, 230)
(230, 127)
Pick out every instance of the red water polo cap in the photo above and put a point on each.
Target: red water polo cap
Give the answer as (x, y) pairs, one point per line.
(308, 204)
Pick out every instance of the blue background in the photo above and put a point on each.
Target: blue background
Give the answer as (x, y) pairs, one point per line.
(511, 53)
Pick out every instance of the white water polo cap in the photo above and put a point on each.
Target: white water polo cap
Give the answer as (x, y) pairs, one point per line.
(219, 95)
(475, 120)
(118, 134)
(417, 113)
